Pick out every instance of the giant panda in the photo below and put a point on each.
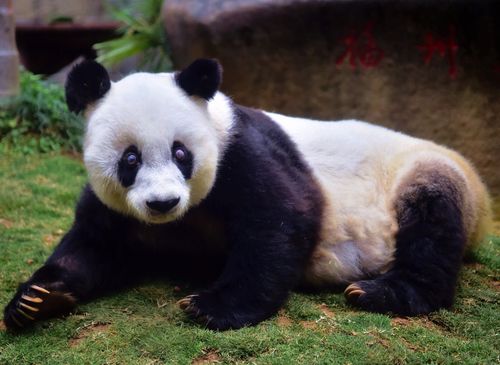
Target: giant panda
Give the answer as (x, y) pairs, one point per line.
(184, 181)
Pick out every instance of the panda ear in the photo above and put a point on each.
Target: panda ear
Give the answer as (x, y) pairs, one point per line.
(87, 82)
(201, 78)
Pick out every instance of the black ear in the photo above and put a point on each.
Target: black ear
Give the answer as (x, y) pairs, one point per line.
(201, 78)
(87, 82)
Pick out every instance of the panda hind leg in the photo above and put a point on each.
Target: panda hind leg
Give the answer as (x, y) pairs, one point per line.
(429, 248)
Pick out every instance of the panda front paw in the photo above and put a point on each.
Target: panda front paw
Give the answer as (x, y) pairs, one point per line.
(209, 310)
(369, 295)
(395, 296)
(35, 303)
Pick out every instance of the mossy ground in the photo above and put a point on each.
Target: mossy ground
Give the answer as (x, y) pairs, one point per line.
(144, 325)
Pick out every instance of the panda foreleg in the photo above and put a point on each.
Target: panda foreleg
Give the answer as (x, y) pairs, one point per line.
(262, 268)
(429, 249)
(76, 271)
(43, 296)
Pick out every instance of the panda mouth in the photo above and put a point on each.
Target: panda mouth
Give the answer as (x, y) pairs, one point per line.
(159, 218)
(156, 214)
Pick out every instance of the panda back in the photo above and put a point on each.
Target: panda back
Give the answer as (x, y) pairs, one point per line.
(361, 169)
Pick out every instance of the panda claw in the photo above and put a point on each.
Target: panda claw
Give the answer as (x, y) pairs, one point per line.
(33, 309)
(40, 289)
(353, 291)
(356, 293)
(351, 287)
(20, 311)
(185, 302)
(32, 299)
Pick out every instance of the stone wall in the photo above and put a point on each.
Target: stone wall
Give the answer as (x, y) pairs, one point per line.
(428, 68)
(43, 11)
(9, 58)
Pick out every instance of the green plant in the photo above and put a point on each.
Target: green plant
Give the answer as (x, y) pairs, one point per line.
(38, 119)
(141, 33)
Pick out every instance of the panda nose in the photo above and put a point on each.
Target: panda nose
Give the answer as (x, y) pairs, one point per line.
(162, 206)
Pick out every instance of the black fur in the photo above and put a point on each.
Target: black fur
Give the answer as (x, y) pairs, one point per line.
(87, 82)
(266, 209)
(201, 78)
(272, 208)
(186, 165)
(127, 172)
(429, 250)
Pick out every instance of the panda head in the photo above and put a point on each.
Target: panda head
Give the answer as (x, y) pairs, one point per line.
(151, 144)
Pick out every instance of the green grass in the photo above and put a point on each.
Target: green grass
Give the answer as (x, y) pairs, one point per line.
(144, 326)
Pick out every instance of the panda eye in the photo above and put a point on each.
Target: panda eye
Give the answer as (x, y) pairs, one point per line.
(183, 158)
(179, 152)
(132, 159)
(129, 165)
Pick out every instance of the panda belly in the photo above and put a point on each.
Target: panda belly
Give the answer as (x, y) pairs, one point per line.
(354, 164)
(357, 236)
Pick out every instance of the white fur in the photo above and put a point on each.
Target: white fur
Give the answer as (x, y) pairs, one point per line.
(359, 167)
(150, 111)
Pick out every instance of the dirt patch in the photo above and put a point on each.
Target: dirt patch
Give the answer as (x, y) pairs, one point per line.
(88, 331)
(309, 325)
(43, 180)
(401, 322)
(326, 311)
(435, 323)
(410, 345)
(49, 240)
(495, 284)
(431, 324)
(210, 357)
(283, 321)
(6, 223)
(379, 340)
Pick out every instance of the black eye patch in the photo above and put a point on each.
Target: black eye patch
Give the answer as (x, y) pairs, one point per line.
(183, 158)
(129, 164)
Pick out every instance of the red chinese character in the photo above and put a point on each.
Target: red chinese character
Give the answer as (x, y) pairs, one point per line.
(444, 48)
(361, 47)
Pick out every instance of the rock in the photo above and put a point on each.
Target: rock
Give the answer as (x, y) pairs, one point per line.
(9, 59)
(431, 69)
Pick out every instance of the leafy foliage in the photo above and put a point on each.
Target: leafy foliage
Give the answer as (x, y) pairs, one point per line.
(141, 33)
(38, 119)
